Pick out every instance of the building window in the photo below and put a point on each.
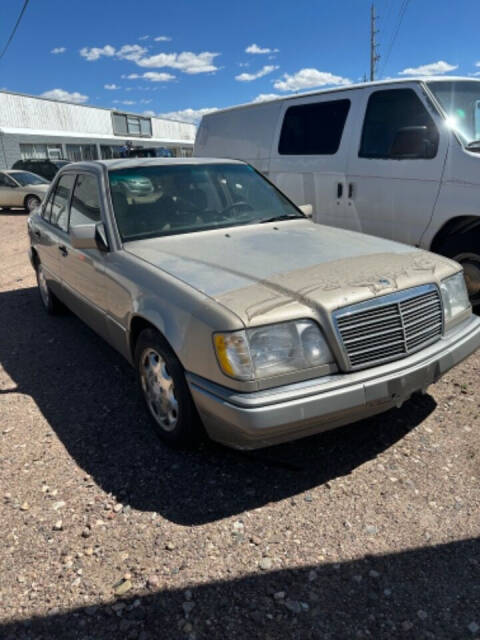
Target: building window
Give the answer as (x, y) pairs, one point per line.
(110, 151)
(127, 125)
(77, 152)
(313, 129)
(40, 151)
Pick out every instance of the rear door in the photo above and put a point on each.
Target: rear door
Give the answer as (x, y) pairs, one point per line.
(396, 162)
(83, 271)
(309, 157)
(51, 236)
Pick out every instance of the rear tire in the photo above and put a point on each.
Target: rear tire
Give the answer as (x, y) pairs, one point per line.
(465, 249)
(165, 391)
(50, 302)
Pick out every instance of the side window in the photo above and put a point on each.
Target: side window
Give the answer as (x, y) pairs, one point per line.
(86, 201)
(313, 129)
(398, 126)
(61, 199)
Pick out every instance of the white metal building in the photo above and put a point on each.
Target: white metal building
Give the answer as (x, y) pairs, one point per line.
(33, 127)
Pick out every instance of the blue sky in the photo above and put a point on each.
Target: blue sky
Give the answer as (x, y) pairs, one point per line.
(182, 58)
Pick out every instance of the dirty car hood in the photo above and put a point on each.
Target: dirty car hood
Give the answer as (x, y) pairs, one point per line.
(262, 272)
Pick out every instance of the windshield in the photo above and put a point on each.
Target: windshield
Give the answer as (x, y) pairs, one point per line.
(60, 163)
(163, 200)
(25, 177)
(461, 102)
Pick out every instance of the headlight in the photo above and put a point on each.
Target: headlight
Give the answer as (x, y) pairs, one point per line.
(272, 350)
(454, 296)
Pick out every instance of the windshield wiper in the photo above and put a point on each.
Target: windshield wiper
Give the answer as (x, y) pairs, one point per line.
(284, 217)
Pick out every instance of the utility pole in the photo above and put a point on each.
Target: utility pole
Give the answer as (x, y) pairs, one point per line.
(374, 56)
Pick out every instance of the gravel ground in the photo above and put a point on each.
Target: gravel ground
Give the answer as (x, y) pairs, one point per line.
(371, 531)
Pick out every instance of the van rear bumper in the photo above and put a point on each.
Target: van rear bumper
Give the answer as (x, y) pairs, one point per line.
(262, 418)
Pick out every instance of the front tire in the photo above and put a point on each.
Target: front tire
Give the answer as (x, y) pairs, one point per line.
(465, 249)
(165, 391)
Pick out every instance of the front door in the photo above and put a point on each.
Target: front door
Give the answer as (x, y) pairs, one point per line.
(83, 272)
(396, 163)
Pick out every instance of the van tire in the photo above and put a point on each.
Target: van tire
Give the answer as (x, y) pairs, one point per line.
(162, 382)
(465, 249)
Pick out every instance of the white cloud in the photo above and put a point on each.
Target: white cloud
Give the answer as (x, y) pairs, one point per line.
(144, 101)
(186, 61)
(248, 77)
(65, 96)
(308, 79)
(254, 48)
(58, 50)
(188, 115)
(144, 37)
(131, 52)
(149, 113)
(124, 102)
(162, 39)
(131, 76)
(155, 76)
(432, 69)
(111, 87)
(265, 97)
(95, 53)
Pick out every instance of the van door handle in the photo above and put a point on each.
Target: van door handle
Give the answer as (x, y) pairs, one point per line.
(63, 250)
(339, 190)
(38, 234)
(350, 190)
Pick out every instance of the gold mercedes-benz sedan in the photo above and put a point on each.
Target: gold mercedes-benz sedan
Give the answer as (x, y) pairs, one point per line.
(21, 189)
(242, 317)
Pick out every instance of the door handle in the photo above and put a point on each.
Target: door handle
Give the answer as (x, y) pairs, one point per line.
(38, 234)
(63, 250)
(350, 190)
(339, 190)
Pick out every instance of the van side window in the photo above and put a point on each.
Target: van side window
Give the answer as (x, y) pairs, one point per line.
(397, 126)
(313, 129)
(61, 201)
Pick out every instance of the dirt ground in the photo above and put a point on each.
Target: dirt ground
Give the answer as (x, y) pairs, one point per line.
(371, 531)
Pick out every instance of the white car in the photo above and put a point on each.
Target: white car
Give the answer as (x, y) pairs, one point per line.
(21, 189)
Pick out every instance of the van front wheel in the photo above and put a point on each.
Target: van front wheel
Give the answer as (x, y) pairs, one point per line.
(466, 251)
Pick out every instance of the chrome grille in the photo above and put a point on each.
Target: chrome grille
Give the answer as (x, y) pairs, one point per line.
(390, 327)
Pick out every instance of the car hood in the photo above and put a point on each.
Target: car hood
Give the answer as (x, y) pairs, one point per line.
(267, 272)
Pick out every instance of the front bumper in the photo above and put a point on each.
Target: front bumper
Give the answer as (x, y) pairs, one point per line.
(263, 418)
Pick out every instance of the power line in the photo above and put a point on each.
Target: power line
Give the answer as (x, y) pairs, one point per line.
(14, 28)
(401, 13)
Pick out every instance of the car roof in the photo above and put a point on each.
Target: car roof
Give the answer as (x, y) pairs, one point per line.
(130, 163)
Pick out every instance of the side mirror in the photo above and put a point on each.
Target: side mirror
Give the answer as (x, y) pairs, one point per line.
(88, 236)
(414, 142)
(307, 209)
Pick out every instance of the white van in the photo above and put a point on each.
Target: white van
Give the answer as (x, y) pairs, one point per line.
(397, 159)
